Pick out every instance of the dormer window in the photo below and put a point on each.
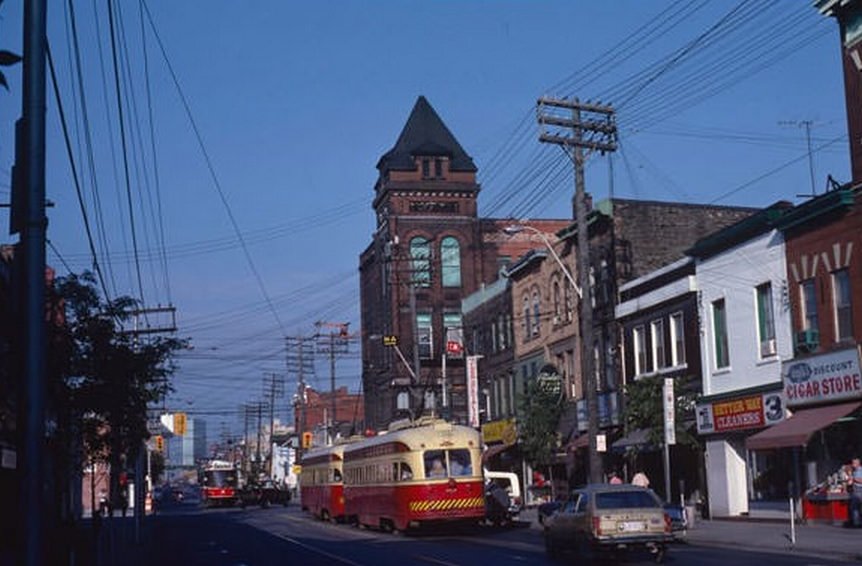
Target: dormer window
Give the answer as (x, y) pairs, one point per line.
(426, 168)
(438, 168)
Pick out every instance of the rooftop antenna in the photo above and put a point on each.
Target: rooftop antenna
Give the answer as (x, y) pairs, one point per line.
(807, 125)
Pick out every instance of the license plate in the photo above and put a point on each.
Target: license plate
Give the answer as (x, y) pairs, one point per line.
(631, 526)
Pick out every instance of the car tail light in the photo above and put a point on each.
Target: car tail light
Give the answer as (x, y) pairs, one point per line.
(667, 525)
(597, 526)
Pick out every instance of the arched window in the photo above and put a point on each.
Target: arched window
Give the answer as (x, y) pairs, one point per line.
(420, 256)
(536, 313)
(558, 307)
(450, 262)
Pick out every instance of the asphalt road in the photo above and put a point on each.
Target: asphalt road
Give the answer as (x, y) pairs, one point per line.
(186, 535)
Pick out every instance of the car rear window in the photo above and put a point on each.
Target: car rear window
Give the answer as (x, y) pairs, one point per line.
(625, 500)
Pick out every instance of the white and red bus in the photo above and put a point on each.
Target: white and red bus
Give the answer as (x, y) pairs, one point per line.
(415, 474)
(320, 482)
(220, 483)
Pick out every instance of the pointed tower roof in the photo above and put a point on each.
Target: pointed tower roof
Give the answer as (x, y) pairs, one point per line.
(425, 134)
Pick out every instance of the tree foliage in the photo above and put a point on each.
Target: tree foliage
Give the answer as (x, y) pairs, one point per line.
(539, 416)
(7, 59)
(102, 377)
(644, 409)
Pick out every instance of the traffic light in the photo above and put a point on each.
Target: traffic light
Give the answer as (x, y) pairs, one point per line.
(306, 440)
(160, 443)
(179, 424)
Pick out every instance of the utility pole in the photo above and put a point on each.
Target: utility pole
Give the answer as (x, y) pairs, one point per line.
(273, 388)
(595, 132)
(28, 219)
(300, 362)
(336, 342)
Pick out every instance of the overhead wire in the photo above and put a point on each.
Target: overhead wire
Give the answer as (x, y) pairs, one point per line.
(74, 171)
(211, 168)
(124, 148)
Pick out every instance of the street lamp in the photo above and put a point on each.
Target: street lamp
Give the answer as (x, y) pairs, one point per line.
(587, 375)
(513, 229)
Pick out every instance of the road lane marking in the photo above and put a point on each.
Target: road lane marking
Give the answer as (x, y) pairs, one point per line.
(433, 560)
(318, 551)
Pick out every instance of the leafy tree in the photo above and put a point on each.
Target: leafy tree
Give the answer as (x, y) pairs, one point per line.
(102, 378)
(644, 409)
(539, 416)
(7, 59)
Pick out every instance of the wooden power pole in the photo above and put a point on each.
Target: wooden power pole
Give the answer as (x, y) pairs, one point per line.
(577, 126)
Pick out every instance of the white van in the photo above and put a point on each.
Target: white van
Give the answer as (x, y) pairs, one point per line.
(510, 482)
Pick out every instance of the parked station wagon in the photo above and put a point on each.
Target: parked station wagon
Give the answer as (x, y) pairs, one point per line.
(600, 520)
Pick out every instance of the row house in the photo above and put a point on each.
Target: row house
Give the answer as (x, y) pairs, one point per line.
(629, 239)
(745, 333)
(660, 326)
(761, 317)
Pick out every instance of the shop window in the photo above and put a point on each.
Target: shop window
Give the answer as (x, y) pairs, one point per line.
(450, 262)
(420, 257)
(454, 334)
(843, 308)
(658, 343)
(719, 328)
(677, 340)
(765, 320)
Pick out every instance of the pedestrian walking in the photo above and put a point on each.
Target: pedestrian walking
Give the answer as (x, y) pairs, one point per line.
(615, 479)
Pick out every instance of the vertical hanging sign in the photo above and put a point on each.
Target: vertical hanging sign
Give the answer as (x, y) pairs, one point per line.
(473, 390)
(669, 412)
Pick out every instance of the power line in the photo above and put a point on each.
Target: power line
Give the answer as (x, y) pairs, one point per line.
(211, 169)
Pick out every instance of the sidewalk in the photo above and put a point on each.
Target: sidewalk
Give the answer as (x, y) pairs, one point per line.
(815, 540)
(819, 541)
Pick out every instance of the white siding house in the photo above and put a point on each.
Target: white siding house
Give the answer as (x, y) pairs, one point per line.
(745, 332)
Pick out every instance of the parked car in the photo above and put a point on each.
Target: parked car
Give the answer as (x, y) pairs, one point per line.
(503, 502)
(600, 520)
(264, 493)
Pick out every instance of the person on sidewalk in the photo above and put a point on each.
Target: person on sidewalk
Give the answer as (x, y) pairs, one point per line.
(856, 494)
(640, 479)
(615, 479)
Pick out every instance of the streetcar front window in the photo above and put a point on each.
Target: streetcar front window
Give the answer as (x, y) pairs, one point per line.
(459, 463)
(435, 464)
(406, 472)
(220, 478)
(336, 475)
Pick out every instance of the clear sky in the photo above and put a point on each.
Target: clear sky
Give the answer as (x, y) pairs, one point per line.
(294, 102)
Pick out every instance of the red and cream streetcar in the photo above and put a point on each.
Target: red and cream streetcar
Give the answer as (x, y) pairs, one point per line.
(415, 474)
(220, 483)
(321, 486)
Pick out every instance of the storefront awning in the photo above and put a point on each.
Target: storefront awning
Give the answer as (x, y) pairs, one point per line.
(638, 438)
(492, 451)
(796, 430)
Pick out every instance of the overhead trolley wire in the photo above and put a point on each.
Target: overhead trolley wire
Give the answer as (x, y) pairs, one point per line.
(211, 168)
(125, 154)
(74, 169)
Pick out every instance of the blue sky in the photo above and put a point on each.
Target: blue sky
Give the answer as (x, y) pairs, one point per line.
(295, 102)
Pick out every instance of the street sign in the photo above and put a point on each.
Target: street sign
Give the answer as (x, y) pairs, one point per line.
(669, 412)
(601, 443)
(390, 340)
